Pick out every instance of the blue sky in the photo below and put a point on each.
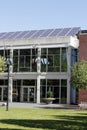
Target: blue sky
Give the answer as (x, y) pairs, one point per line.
(20, 15)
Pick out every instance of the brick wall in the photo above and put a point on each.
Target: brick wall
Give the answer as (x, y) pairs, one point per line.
(83, 47)
(82, 95)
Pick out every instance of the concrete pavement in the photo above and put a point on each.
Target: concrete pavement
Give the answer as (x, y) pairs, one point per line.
(44, 106)
(35, 105)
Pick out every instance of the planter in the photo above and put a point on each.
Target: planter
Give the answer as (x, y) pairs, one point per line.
(48, 100)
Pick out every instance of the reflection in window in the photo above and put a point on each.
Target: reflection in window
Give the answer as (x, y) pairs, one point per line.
(4, 94)
(29, 82)
(25, 60)
(58, 87)
(5, 53)
(74, 56)
(63, 60)
(63, 91)
(54, 59)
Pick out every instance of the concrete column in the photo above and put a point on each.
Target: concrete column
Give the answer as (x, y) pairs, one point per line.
(10, 76)
(69, 74)
(38, 73)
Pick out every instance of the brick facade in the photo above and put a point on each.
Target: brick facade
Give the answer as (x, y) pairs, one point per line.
(82, 95)
(83, 46)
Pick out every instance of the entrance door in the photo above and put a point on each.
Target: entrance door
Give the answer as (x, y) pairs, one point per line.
(29, 94)
(16, 94)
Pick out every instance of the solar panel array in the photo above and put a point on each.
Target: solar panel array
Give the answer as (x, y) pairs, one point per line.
(39, 33)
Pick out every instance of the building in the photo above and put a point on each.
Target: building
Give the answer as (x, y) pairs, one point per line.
(83, 45)
(41, 59)
(82, 95)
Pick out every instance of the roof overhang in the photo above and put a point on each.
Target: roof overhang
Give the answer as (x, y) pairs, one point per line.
(60, 41)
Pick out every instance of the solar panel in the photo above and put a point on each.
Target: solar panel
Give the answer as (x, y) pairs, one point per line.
(21, 34)
(55, 32)
(24, 36)
(14, 35)
(2, 35)
(63, 32)
(7, 35)
(40, 33)
(46, 33)
(73, 31)
(29, 34)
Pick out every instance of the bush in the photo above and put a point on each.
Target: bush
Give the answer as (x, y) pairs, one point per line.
(49, 93)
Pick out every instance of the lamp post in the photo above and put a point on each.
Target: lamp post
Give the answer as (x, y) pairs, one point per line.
(8, 62)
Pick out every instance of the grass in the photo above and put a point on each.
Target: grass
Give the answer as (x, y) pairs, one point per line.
(42, 119)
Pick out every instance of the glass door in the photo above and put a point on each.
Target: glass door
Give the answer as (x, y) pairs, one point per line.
(5, 94)
(25, 95)
(29, 94)
(15, 94)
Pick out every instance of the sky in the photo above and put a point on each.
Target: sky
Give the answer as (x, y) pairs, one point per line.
(22, 15)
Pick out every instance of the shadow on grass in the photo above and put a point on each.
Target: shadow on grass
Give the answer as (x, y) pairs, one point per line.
(60, 123)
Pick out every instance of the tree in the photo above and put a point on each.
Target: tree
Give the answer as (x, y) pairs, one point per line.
(79, 75)
(2, 64)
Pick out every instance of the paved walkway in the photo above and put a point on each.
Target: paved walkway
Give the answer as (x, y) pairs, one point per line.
(44, 106)
(35, 105)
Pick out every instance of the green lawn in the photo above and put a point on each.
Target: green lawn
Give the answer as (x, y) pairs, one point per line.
(42, 119)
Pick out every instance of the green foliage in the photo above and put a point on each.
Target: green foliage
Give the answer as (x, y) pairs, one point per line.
(2, 64)
(79, 75)
(49, 93)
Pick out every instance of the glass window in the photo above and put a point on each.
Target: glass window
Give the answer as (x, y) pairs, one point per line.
(15, 52)
(15, 64)
(63, 95)
(44, 60)
(21, 61)
(63, 59)
(25, 52)
(29, 82)
(6, 82)
(34, 63)
(57, 63)
(63, 91)
(4, 94)
(50, 63)
(50, 84)
(5, 53)
(58, 87)
(53, 59)
(15, 60)
(3, 82)
(74, 56)
(25, 60)
(1, 52)
(63, 83)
